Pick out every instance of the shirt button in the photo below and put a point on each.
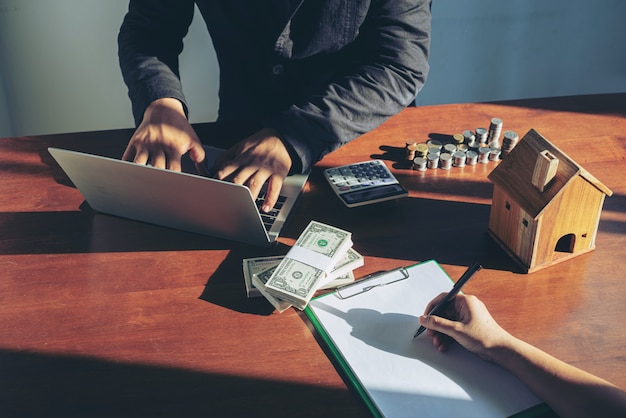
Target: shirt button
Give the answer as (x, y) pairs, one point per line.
(278, 69)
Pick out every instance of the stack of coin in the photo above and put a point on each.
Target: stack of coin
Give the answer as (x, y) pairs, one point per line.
(495, 129)
(469, 138)
(433, 143)
(445, 161)
(432, 160)
(483, 155)
(434, 146)
(494, 154)
(509, 140)
(419, 164)
(481, 136)
(471, 157)
(410, 151)
(459, 150)
(409, 147)
(459, 158)
(421, 150)
(449, 148)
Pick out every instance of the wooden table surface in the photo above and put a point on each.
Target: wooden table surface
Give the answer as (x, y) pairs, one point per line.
(102, 316)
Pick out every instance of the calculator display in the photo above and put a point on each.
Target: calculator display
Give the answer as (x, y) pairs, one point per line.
(373, 193)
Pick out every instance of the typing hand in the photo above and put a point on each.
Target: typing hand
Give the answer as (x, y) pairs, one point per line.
(260, 158)
(163, 137)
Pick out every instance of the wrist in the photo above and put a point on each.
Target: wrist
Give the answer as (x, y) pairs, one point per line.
(165, 104)
(502, 350)
(296, 164)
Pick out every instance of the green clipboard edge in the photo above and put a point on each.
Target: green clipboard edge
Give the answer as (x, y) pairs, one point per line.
(345, 367)
(541, 410)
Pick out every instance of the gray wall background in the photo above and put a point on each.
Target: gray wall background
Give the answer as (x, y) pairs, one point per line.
(59, 72)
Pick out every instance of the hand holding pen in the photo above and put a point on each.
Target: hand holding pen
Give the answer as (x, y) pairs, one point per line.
(449, 298)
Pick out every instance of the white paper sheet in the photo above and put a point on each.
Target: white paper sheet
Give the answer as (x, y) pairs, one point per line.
(408, 377)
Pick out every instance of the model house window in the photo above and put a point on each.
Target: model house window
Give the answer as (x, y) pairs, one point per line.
(507, 205)
(525, 222)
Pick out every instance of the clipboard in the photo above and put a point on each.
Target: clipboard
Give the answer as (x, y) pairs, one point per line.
(368, 327)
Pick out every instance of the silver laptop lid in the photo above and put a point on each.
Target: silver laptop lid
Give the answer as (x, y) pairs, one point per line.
(177, 200)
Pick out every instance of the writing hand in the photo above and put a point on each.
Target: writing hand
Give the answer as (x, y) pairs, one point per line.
(469, 323)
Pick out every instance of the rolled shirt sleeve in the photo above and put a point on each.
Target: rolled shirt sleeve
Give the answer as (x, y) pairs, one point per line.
(149, 43)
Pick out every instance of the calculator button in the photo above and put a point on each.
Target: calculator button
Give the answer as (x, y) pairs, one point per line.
(363, 183)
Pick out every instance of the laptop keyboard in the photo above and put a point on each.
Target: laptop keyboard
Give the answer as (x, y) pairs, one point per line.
(269, 217)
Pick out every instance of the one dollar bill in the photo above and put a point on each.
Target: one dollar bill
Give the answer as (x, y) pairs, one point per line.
(252, 266)
(337, 277)
(309, 262)
(259, 280)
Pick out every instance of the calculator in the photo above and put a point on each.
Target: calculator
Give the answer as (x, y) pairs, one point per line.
(364, 183)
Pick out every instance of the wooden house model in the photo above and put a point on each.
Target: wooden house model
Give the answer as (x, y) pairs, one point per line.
(546, 208)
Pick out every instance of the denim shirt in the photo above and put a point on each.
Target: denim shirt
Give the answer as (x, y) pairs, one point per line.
(321, 72)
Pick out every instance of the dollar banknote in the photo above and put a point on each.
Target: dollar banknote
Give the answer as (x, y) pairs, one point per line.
(259, 280)
(348, 263)
(312, 258)
(252, 266)
(341, 274)
(344, 279)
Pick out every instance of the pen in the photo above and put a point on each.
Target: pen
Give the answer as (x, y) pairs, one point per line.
(443, 303)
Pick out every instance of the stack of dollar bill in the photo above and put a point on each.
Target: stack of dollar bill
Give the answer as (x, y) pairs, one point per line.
(321, 258)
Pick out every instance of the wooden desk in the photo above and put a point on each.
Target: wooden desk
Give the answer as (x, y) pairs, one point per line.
(101, 316)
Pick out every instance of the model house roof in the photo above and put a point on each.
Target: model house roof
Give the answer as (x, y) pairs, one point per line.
(514, 174)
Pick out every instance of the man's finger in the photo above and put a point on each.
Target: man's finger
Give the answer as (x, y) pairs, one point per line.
(129, 153)
(173, 161)
(274, 186)
(158, 159)
(196, 153)
(225, 171)
(141, 157)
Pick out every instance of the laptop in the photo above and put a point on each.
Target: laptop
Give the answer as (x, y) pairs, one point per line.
(179, 200)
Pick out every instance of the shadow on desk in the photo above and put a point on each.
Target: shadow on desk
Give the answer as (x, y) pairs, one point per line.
(228, 290)
(418, 229)
(42, 385)
(87, 231)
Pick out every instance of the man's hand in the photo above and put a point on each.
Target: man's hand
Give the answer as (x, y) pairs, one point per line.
(259, 158)
(163, 137)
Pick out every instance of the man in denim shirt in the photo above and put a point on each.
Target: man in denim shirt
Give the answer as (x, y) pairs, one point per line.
(312, 74)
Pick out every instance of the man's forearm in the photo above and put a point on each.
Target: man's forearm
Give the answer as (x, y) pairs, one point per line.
(149, 42)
